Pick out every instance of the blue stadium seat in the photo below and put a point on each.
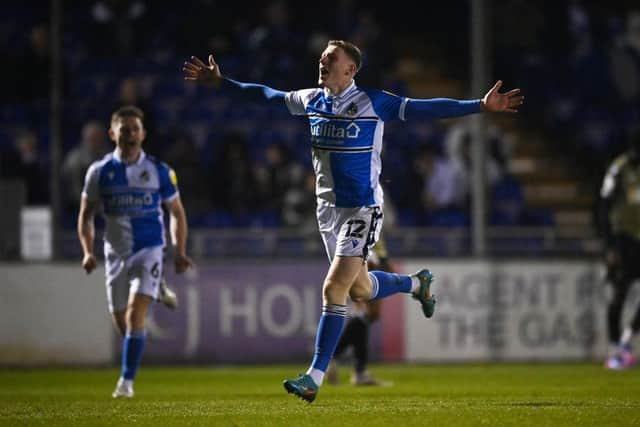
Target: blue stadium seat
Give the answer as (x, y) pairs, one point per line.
(14, 115)
(214, 219)
(197, 112)
(538, 217)
(507, 202)
(407, 218)
(169, 88)
(448, 217)
(6, 138)
(85, 87)
(266, 219)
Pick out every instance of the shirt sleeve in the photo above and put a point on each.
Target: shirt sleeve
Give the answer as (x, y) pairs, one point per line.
(392, 107)
(255, 92)
(298, 100)
(610, 181)
(439, 108)
(168, 183)
(90, 191)
(387, 105)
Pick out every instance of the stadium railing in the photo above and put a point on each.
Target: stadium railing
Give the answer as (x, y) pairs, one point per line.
(567, 242)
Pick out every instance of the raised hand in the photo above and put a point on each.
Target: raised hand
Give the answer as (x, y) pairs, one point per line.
(198, 71)
(496, 102)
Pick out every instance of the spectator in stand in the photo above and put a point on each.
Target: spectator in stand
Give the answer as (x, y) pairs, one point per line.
(234, 177)
(31, 169)
(457, 145)
(274, 177)
(275, 38)
(625, 67)
(186, 161)
(367, 33)
(299, 204)
(34, 74)
(92, 146)
(118, 26)
(443, 183)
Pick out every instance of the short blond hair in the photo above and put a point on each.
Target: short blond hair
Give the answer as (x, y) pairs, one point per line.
(350, 49)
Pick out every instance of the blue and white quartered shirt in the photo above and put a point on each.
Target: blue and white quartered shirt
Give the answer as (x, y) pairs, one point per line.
(131, 197)
(346, 133)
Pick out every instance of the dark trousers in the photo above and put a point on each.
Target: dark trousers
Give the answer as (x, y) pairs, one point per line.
(621, 276)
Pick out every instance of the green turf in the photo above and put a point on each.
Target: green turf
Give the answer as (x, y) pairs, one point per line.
(433, 395)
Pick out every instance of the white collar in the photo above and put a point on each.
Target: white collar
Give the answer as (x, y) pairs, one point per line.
(348, 89)
(141, 158)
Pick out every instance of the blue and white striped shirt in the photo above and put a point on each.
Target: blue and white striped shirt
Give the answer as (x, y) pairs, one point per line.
(346, 133)
(130, 196)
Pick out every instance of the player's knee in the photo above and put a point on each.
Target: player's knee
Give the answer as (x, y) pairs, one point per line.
(359, 294)
(135, 318)
(334, 291)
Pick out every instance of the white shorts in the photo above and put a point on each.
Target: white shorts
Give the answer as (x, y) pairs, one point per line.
(349, 231)
(139, 273)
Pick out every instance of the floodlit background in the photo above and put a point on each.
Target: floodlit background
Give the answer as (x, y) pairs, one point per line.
(516, 254)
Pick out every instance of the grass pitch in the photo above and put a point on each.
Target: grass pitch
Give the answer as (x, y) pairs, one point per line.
(438, 395)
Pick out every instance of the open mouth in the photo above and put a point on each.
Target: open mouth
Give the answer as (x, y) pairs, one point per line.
(324, 72)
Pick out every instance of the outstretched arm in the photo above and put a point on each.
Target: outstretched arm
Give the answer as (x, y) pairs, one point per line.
(438, 108)
(210, 75)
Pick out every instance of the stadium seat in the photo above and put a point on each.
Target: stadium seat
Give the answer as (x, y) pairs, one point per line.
(266, 219)
(407, 218)
(214, 219)
(169, 88)
(448, 217)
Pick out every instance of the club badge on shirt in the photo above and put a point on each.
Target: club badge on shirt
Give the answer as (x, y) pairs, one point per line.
(352, 109)
(173, 177)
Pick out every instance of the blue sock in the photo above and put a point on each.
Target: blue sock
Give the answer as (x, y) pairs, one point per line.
(385, 284)
(132, 348)
(328, 335)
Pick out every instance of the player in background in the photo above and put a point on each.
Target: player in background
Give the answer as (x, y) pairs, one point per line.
(347, 126)
(619, 211)
(356, 331)
(128, 187)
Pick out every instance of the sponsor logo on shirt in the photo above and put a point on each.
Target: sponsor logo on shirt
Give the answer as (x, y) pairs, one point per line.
(123, 204)
(335, 131)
